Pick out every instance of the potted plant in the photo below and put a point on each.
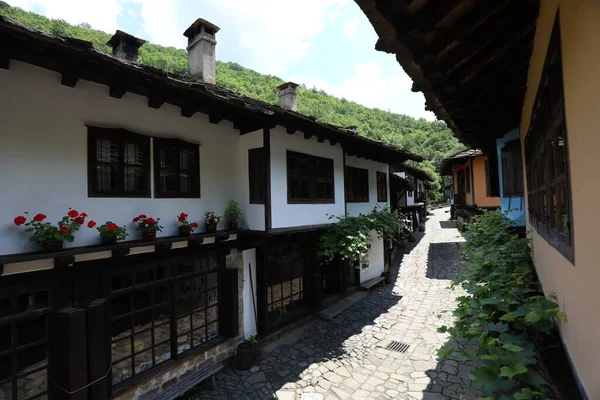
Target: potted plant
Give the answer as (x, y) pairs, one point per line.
(185, 227)
(233, 214)
(148, 225)
(246, 352)
(111, 233)
(211, 219)
(50, 236)
(422, 227)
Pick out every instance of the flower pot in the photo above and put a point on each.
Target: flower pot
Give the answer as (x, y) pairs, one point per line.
(148, 235)
(52, 245)
(387, 275)
(211, 228)
(233, 225)
(244, 357)
(109, 240)
(185, 230)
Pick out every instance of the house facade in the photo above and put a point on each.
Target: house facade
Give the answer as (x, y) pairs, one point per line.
(410, 192)
(114, 139)
(524, 71)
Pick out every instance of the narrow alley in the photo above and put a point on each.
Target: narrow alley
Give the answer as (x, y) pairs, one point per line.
(346, 358)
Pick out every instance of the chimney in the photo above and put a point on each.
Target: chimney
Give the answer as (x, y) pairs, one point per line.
(202, 62)
(287, 96)
(125, 46)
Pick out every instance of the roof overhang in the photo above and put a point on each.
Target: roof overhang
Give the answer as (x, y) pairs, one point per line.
(469, 58)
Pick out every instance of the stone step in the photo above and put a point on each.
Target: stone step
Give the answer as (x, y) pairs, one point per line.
(339, 307)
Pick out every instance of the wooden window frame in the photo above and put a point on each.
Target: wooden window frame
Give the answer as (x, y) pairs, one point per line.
(194, 172)
(487, 178)
(382, 187)
(357, 179)
(314, 175)
(257, 175)
(121, 137)
(546, 183)
(468, 179)
(512, 183)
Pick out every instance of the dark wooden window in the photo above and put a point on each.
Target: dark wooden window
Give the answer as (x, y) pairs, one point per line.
(357, 185)
(163, 309)
(546, 151)
(468, 180)
(256, 175)
(487, 179)
(118, 163)
(310, 179)
(176, 169)
(24, 331)
(382, 192)
(512, 169)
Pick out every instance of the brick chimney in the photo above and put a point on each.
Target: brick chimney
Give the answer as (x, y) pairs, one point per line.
(125, 46)
(287, 96)
(202, 62)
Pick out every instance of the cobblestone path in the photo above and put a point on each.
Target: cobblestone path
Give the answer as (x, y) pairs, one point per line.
(345, 358)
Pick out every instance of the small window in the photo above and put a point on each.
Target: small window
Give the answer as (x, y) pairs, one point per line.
(468, 180)
(176, 169)
(357, 185)
(310, 179)
(257, 175)
(382, 187)
(118, 163)
(512, 169)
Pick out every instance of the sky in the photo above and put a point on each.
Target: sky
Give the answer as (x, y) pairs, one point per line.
(327, 44)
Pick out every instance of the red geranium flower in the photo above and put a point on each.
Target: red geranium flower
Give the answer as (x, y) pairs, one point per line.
(64, 229)
(136, 219)
(194, 225)
(83, 215)
(150, 221)
(80, 220)
(142, 216)
(181, 219)
(39, 217)
(20, 220)
(111, 227)
(91, 224)
(72, 213)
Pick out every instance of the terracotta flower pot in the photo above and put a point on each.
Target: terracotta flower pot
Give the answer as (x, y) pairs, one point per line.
(149, 235)
(211, 228)
(52, 245)
(233, 225)
(185, 230)
(109, 240)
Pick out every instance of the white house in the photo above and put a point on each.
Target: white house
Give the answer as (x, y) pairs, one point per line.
(113, 138)
(410, 192)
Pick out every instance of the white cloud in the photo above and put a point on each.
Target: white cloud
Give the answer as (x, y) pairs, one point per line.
(369, 88)
(350, 28)
(99, 14)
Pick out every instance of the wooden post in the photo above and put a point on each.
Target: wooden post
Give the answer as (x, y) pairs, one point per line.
(99, 352)
(68, 352)
(228, 300)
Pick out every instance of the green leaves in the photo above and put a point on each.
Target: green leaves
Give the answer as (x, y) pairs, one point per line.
(501, 310)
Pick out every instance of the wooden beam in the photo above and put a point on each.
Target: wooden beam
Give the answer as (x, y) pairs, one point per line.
(320, 139)
(156, 101)
(307, 135)
(4, 54)
(215, 118)
(117, 90)
(290, 131)
(267, 155)
(188, 110)
(71, 74)
(332, 142)
(425, 19)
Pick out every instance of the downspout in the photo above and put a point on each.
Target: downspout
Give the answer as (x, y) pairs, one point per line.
(472, 177)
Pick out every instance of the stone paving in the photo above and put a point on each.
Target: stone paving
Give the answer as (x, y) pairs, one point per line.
(345, 358)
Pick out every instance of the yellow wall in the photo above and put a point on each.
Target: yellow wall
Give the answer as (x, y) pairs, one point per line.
(576, 285)
(478, 183)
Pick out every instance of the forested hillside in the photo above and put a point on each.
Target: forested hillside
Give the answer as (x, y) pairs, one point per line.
(433, 140)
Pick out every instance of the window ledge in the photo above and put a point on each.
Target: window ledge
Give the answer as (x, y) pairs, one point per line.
(67, 256)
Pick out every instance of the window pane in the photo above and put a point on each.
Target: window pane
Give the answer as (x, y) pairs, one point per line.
(107, 151)
(135, 180)
(107, 178)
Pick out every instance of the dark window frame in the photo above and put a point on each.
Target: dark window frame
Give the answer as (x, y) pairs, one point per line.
(195, 182)
(468, 179)
(487, 178)
(548, 185)
(357, 185)
(314, 174)
(257, 175)
(512, 169)
(120, 137)
(382, 187)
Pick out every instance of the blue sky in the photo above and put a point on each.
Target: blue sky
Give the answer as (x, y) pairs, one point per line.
(324, 43)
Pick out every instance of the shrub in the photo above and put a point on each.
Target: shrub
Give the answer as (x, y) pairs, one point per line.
(503, 311)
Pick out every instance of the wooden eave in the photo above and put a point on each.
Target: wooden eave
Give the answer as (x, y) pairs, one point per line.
(469, 58)
(78, 60)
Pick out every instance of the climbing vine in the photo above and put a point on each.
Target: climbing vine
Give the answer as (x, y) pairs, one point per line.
(348, 237)
(504, 312)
